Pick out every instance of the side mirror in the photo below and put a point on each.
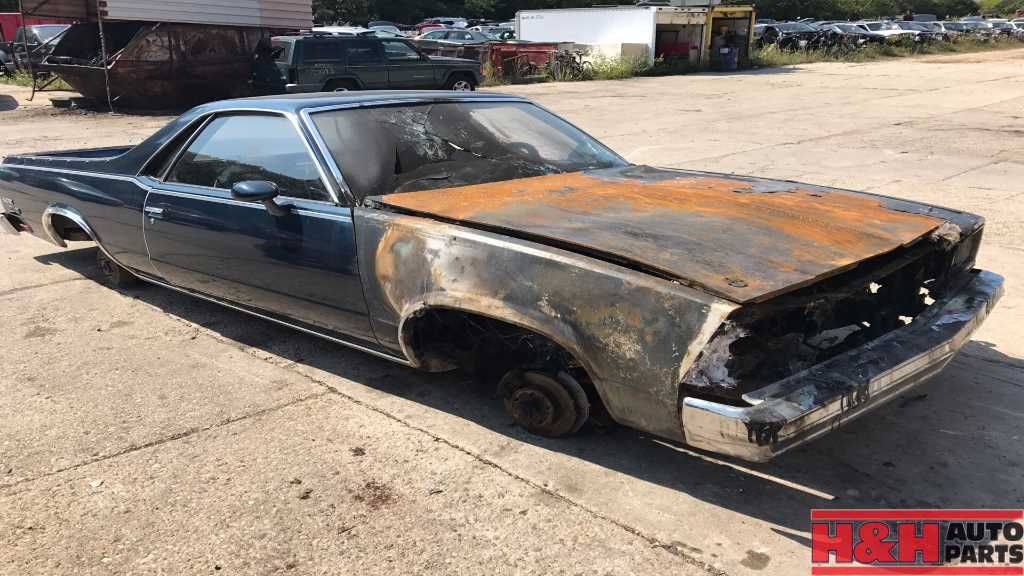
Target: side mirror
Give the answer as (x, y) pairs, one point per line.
(254, 190)
(260, 191)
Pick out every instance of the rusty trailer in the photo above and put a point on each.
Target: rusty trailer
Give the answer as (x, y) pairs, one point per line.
(156, 65)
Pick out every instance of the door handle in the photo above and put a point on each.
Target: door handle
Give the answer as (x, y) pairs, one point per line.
(154, 213)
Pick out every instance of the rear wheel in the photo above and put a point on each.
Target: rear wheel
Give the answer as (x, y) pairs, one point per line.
(340, 86)
(461, 83)
(115, 274)
(545, 403)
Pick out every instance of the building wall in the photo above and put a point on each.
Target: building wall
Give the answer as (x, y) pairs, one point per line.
(257, 13)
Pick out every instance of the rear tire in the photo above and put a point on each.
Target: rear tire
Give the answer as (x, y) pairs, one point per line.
(115, 274)
(461, 83)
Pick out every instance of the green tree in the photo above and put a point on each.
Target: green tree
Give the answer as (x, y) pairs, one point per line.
(340, 11)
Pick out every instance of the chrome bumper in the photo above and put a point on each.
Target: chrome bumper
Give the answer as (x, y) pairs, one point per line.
(806, 405)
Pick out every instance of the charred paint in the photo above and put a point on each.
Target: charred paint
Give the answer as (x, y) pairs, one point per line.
(634, 333)
(741, 238)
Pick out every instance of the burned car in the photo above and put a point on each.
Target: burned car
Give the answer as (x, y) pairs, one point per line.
(445, 230)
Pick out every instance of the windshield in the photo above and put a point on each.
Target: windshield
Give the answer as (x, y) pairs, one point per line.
(47, 32)
(443, 145)
(847, 28)
(794, 27)
(913, 26)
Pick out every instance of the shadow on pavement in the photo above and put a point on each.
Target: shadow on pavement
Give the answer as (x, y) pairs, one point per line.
(952, 442)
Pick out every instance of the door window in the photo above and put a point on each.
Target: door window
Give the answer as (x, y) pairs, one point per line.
(236, 148)
(364, 53)
(322, 51)
(398, 50)
(435, 35)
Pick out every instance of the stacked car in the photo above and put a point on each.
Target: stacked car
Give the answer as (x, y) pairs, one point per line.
(806, 34)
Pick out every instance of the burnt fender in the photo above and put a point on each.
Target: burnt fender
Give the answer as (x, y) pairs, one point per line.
(634, 334)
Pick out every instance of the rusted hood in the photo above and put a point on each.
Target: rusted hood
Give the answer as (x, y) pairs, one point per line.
(745, 239)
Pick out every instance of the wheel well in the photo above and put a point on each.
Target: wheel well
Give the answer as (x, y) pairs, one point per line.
(334, 82)
(67, 229)
(448, 339)
(457, 74)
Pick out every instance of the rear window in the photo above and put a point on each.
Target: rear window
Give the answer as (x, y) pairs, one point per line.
(283, 51)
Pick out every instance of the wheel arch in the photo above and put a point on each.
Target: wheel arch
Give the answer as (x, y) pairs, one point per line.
(352, 79)
(552, 329)
(53, 218)
(459, 72)
(486, 307)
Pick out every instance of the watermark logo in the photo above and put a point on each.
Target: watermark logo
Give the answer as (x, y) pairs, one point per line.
(912, 542)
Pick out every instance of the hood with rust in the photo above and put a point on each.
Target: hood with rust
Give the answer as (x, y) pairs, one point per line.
(744, 239)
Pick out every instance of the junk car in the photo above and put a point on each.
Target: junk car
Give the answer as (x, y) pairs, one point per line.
(443, 230)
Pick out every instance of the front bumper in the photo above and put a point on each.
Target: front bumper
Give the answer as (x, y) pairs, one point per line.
(806, 405)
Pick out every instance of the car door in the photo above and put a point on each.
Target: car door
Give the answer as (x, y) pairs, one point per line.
(320, 60)
(407, 68)
(365, 61)
(299, 267)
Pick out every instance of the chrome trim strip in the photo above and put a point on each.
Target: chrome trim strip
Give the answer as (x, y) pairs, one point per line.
(203, 122)
(215, 199)
(77, 218)
(73, 172)
(384, 355)
(233, 202)
(208, 117)
(325, 152)
(441, 97)
(324, 215)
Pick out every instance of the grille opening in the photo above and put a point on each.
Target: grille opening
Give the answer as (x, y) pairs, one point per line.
(766, 342)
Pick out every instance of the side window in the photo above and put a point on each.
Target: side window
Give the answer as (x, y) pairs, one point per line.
(158, 165)
(398, 50)
(364, 53)
(236, 148)
(282, 52)
(321, 51)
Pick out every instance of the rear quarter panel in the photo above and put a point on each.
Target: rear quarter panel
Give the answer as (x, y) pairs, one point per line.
(110, 204)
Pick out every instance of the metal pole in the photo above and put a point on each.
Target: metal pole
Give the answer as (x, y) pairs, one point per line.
(103, 55)
(24, 44)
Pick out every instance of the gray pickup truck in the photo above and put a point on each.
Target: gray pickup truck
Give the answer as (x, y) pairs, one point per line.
(479, 231)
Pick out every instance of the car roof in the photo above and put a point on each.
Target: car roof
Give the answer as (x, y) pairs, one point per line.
(297, 102)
